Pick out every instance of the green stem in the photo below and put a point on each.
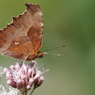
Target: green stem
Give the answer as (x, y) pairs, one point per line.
(32, 91)
(25, 92)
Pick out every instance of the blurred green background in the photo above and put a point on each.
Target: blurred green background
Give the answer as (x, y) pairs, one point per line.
(66, 22)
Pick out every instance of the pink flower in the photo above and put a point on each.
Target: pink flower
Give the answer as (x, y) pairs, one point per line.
(24, 76)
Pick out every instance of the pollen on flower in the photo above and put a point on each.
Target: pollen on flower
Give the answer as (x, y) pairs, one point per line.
(24, 76)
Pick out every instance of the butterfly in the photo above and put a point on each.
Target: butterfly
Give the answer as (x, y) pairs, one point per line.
(22, 38)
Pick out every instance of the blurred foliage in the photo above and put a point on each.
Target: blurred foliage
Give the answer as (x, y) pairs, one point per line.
(69, 22)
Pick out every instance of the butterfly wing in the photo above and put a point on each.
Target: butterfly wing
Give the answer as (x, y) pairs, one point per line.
(22, 38)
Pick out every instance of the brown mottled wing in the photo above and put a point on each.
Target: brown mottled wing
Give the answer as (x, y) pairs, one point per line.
(23, 37)
(35, 33)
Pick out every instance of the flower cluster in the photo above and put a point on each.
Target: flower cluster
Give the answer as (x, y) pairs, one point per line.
(24, 76)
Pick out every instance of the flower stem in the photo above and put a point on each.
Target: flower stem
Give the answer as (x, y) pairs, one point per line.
(25, 92)
(32, 91)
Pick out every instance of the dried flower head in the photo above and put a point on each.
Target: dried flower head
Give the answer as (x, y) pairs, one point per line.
(1, 72)
(10, 91)
(24, 76)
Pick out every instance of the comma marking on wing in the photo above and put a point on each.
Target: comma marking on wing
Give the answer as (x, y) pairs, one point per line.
(16, 43)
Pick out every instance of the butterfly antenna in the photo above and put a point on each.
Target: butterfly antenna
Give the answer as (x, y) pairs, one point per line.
(55, 54)
(55, 48)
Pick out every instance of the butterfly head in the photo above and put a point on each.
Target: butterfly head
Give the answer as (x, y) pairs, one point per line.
(41, 54)
(38, 55)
